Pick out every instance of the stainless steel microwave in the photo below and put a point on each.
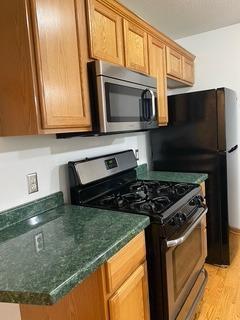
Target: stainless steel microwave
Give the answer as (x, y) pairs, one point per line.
(121, 100)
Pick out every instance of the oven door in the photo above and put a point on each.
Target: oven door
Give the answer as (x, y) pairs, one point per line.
(185, 257)
(125, 106)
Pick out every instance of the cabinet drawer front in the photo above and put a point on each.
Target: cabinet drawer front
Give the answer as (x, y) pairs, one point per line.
(122, 264)
(174, 63)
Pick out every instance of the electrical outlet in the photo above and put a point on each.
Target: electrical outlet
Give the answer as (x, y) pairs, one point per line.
(136, 152)
(39, 242)
(32, 182)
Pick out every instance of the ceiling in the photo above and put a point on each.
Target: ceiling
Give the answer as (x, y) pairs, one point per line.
(182, 18)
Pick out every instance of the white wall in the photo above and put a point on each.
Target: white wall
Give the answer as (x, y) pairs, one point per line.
(48, 157)
(218, 65)
(217, 58)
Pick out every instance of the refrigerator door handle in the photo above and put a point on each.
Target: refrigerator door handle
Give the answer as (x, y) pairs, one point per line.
(233, 148)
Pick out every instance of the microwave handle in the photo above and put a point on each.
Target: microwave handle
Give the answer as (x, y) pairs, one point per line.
(153, 105)
(146, 118)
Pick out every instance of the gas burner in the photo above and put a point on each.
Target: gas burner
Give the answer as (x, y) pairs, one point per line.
(148, 207)
(166, 190)
(139, 185)
(136, 205)
(115, 201)
(135, 196)
(161, 202)
(152, 184)
(181, 188)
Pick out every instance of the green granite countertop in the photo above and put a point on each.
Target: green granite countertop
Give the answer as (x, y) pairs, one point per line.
(74, 241)
(187, 177)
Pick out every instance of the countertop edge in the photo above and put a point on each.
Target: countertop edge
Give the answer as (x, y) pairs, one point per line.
(184, 177)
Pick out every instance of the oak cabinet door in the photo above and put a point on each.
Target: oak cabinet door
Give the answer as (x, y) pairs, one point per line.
(130, 301)
(60, 50)
(105, 33)
(174, 63)
(188, 70)
(157, 68)
(136, 53)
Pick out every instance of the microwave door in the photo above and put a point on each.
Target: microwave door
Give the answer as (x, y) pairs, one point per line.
(122, 107)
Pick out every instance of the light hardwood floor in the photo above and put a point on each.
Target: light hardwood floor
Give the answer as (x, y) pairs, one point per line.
(221, 300)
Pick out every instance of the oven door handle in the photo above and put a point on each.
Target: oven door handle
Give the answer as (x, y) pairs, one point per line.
(180, 240)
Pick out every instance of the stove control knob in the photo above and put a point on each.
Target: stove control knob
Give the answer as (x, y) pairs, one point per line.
(197, 201)
(180, 218)
(183, 216)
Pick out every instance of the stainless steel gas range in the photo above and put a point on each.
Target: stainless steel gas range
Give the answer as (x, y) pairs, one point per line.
(176, 238)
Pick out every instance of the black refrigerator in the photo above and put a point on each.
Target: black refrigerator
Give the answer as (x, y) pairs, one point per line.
(202, 137)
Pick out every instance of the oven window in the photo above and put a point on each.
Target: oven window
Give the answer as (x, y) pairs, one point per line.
(124, 104)
(185, 258)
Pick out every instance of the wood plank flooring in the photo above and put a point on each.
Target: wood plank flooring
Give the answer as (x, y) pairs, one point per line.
(221, 300)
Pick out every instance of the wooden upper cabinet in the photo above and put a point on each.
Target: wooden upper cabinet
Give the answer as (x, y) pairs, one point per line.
(174, 63)
(60, 69)
(179, 67)
(105, 33)
(136, 51)
(44, 54)
(157, 68)
(130, 301)
(188, 70)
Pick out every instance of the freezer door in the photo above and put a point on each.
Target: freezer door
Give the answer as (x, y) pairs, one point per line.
(192, 126)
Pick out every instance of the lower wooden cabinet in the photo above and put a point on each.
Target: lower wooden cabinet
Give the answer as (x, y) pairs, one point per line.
(84, 302)
(95, 300)
(131, 300)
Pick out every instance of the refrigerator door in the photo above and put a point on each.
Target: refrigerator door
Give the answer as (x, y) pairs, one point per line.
(233, 189)
(231, 128)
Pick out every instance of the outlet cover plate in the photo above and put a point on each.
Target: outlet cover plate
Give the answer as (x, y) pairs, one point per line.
(32, 183)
